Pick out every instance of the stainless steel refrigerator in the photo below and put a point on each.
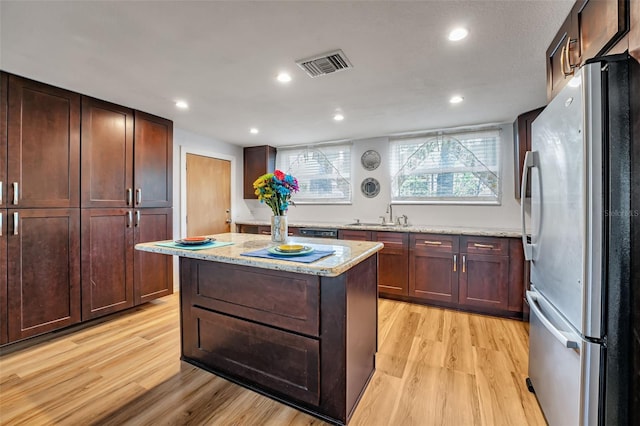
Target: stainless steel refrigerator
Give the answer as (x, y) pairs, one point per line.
(581, 222)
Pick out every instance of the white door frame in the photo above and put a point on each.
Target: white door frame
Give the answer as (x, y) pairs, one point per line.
(184, 150)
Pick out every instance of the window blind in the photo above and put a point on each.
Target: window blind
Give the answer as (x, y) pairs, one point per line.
(447, 167)
(323, 172)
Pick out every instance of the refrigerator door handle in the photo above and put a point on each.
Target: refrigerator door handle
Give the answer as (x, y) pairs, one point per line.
(529, 162)
(532, 298)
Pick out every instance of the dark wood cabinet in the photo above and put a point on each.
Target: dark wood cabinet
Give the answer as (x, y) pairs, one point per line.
(43, 251)
(484, 272)
(153, 272)
(393, 263)
(634, 29)
(4, 86)
(433, 267)
(354, 235)
(4, 335)
(114, 275)
(107, 154)
(258, 160)
(153, 161)
(107, 261)
(43, 138)
(591, 28)
(522, 144)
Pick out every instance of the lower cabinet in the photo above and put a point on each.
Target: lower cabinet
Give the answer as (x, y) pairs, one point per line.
(433, 267)
(114, 275)
(4, 336)
(264, 230)
(43, 277)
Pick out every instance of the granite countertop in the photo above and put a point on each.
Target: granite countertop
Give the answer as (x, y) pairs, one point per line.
(347, 253)
(425, 229)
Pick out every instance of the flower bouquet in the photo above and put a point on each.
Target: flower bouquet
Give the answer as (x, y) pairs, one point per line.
(275, 190)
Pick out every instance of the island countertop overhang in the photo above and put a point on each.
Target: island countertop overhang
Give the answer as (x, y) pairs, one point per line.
(347, 253)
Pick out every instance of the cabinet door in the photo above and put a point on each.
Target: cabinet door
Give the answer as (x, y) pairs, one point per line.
(153, 165)
(434, 276)
(153, 272)
(484, 281)
(600, 24)
(562, 54)
(257, 160)
(517, 274)
(43, 145)
(4, 337)
(634, 29)
(107, 154)
(522, 144)
(4, 85)
(348, 234)
(393, 263)
(44, 270)
(107, 261)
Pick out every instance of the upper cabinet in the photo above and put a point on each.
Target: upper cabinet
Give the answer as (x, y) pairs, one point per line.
(634, 30)
(153, 161)
(4, 86)
(120, 169)
(107, 154)
(592, 27)
(522, 144)
(43, 139)
(258, 160)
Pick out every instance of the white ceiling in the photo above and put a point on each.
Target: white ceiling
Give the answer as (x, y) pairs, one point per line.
(223, 56)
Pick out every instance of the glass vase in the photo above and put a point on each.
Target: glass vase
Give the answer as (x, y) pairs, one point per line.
(279, 229)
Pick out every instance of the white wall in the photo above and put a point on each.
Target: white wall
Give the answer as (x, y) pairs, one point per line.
(506, 215)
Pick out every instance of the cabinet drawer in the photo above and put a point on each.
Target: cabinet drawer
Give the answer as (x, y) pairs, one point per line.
(394, 242)
(281, 299)
(484, 245)
(434, 242)
(285, 362)
(347, 234)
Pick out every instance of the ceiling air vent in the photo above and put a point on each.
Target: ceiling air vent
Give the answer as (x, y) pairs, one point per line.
(326, 63)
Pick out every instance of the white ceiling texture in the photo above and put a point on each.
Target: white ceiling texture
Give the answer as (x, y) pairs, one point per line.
(222, 57)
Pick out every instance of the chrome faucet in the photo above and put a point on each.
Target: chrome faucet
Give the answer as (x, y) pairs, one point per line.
(390, 211)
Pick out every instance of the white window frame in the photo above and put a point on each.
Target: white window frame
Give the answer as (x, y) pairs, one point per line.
(318, 149)
(396, 168)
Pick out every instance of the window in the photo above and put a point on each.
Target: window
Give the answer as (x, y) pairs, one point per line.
(461, 167)
(323, 172)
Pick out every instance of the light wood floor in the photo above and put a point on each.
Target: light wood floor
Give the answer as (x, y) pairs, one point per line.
(434, 367)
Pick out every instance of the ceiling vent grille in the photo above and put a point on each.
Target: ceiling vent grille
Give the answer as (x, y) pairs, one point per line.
(326, 63)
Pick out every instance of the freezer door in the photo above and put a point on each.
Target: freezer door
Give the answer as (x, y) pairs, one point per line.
(563, 368)
(559, 203)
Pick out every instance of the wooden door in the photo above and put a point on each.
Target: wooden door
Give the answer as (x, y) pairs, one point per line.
(484, 281)
(107, 154)
(4, 85)
(153, 161)
(208, 195)
(43, 270)
(153, 272)
(107, 261)
(393, 263)
(4, 336)
(43, 145)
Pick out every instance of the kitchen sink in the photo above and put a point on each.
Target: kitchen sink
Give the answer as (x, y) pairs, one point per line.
(371, 224)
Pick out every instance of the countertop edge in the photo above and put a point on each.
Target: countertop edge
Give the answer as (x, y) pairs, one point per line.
(419, 229)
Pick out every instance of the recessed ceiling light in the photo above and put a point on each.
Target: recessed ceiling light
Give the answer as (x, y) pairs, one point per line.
(253, 131)
(338, 117)
(284, 77)
(456, 99)
(458, 34)
(182, 105)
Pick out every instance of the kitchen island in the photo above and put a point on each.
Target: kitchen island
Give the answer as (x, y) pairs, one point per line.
(304, 334)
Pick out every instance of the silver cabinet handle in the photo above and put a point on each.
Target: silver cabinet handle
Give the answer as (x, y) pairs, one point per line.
(138, 196)
(129, 219)
(0, 224)
(532, 298)
(15, 193)
(455, 262)
(129, 196)
(464, 263)
(137, 218)
(16, 223)
(1, 186)
(488, 246)
(432, 243)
